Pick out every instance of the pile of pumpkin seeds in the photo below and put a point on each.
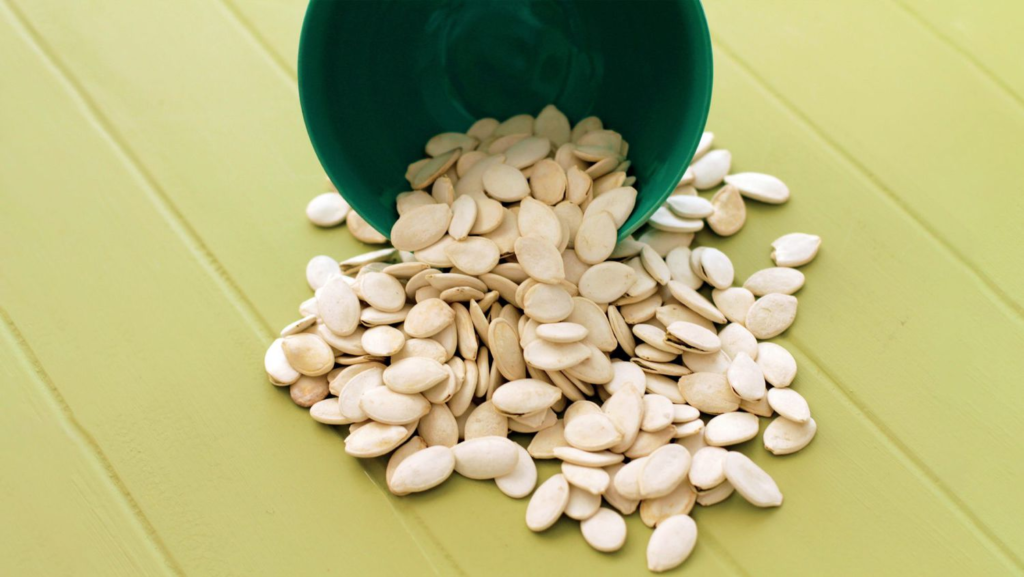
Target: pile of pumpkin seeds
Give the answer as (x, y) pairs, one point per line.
(506, 305)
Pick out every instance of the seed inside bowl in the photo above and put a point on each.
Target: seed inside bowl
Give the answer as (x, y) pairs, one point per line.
(509, 306)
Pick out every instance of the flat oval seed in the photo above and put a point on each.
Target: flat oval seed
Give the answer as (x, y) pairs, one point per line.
(709, 393)
(691, 207)
(593, 480)
(547, 504)
(771, 315)
(276, 364)
(605, 531)
(737, 339)
(665, 468)
(521, 481)
(595, 239)
(599, 331)
(606, 282)
(782, 280)
(716, 495)
(538, 219)
(428, 318)
(401, 454)
(525, 396)
(485, 457)
(486, 421)
(386, 406)
(475, 255)
(463, 217)
(664, 220)
(505, 183)
(362, 230)
(592, 432)
(678, 261)
(708, 468)
(527, 151)
(541, 260)
(751, 481)
(406, 202)
(626, 410)
(696, 302)
(789, 404)
(618, 202)
(320, 269)
(734, 302)
(548, 182)
(547, 441)
(646, 443)
(657, 413)
(447, 141)
(327, 209)
(423, 470)
(777, 364)
(746, 378)
(546, 303)
(562, 332)
(730, 429)
(762, 187)
(783, 437)
(693, 338)
(671, 543)
(585, 458)
(414, 375)
(376, 439)
(550, 356)
(679, 502)
(684, 413)
(421, 227)
(627, 479)
(730, 211)
(710, 169)
(308, 354)
(582, 505)
(716, 267)
(505, 348)
(328, 412)
(438, 427)
(339, 307)
(795, 249)
(621, 503)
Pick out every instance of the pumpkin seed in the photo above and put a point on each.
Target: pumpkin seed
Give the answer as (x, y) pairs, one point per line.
(464, 211)
(730, 213)
(711, 169)
(751, 481)
(684, 430)
(657, 413)
(771, 315)
(421, 227)
(275, 362)
(678, 502)
(646, 443)
(696, 302)
(308, 354)
(730, 429)
(605, 531)
(664, 220)
(707, 470)
(795, 249)
(709, 393)
(595, 238)
(540, 259)
(547, 442)
(605, 282)
(789, 404)
(592, 432)
(627, 479)
(582, 504)
(733, 302)
(691, 337)
(761, 187)
(783, 436)
(777, 364)
(663, 241)
(321, 269)
(327, 209)
(781, 280)
(414, 375)
(423, 470)
(593, 480)
(690, 207)
(622, 504)
(684, 413)
(523, 478)
(486, 421)
(716, 495)
(527, 151)
(745, 378)
(547, 504)
(671, 543)
(525, 396)
(428, 318)
(362, 229)
(375, 439)
(438, 426)
(485, 457)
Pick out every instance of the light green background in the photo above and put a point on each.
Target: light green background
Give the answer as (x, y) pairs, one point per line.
(153, 173)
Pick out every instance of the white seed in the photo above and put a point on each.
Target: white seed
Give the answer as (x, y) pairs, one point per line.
(746, 378)
(485, 457)
(406, 202)
(423, 470)
(328, 412)
(760, 408)
(362, 229)
(715, 496)
(734, 302)
(447, 141)
(657, 413)
(605, 531)
(562, 332)
(655, 265)
(751, 481)
(438, 426)
(518, 124)
(552, 124)
(486, 421)
(618, 202)
(691, 337)
(523, 478)
(547, 504)
(737, 339)
(664, 220)
(627, 479)
(665, 468)
(582, 504)
(320, 269)
(795, 249)
(696, 302)
(540, 259)
(339, 307)
(703, 146)
(771, 315)
(709, 393)
(663, 241)
(692, 428)
(443, 191)
(546, 303)
(327, 209)
(586, 458)
(605, 282)
(276, 364)
(646, 443)
(401, 454)
(677, 502)
(505, 183)
(527, 151)
(730, 211)
(708, 467)
(525, 396)
(777, 364)
(383, 292)
(684, 413)
(595, 238)
(463, 217)
(783, 437)
(714, 363)
(678, 261)
(690, 207)
(671, 543)
(428, 318)
(308, 354)
(782, 280)
(591, 479)
(762, 187)
(414, 374)
(375, 439)
(730, 429)
(421, 227)
(593, 432)
(789, 404)
(474, 255)
(711, 168)
(715, 268)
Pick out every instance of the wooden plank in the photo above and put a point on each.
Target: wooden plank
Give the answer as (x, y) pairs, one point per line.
(158, 365)
(859, 467)
(985, 33)
(63, 514)
(929, 131)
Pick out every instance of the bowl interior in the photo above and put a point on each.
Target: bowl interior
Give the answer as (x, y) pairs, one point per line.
(377, 79)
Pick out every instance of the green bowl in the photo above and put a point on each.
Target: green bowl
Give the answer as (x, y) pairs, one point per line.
(378, 78)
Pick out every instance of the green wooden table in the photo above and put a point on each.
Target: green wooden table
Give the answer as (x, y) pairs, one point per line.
(153, 174)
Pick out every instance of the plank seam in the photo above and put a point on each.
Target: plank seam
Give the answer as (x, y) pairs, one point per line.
(79, 432)
(163, 204)
(916, 466)
(1014, 309)
(984, 70)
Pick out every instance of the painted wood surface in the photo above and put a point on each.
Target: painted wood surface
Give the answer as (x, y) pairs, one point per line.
(154, 172)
